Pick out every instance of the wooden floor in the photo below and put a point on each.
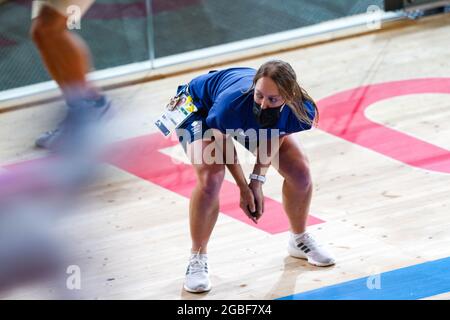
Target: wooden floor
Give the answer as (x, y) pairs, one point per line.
(379, 214)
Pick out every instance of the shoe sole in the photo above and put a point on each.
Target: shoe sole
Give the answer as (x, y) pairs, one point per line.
(201, 290)
(294, 254)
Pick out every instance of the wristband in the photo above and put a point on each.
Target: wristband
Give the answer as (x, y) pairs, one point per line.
(261, 179)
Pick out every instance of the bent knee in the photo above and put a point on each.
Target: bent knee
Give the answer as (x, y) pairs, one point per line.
(210, 178)
(299, 175)
(47, 24)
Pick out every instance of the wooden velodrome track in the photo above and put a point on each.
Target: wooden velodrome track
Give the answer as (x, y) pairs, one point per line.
(380, 163)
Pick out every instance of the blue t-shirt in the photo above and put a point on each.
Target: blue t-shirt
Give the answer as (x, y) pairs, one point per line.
(223, 94)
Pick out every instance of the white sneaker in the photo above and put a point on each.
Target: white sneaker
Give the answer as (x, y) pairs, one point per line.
(305, 247)
(197, 277)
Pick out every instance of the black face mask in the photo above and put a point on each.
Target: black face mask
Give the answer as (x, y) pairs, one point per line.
(266, 118)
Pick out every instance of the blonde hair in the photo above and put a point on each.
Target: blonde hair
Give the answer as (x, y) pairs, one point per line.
(295, 96)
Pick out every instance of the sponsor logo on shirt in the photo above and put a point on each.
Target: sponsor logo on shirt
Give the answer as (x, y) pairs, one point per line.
(196, 127)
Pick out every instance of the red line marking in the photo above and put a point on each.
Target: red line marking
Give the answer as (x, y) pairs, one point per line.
(142, 158)
(343, 115)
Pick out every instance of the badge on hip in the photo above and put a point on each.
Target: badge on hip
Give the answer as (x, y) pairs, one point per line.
(176, 112)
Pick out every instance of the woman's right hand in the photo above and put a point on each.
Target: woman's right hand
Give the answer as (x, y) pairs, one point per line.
(247, 202)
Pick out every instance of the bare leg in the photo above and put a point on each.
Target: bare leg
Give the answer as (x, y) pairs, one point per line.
(204, 204)
(297, 185)
(65, 55)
